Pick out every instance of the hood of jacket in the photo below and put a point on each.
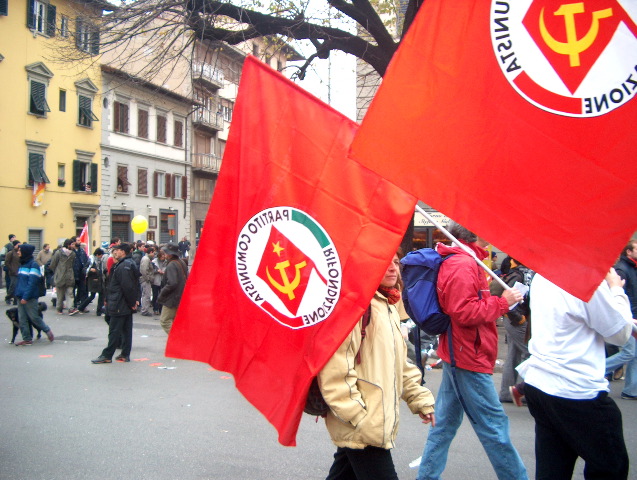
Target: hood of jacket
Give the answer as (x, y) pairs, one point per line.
(445, 250)
(27, 252)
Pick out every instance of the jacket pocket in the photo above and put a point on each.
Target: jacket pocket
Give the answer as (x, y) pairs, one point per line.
(371, 429)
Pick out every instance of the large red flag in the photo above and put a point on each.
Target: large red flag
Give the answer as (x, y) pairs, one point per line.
(517, 119)
(297, 239)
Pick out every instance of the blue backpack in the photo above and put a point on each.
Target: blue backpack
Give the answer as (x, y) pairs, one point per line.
(420, 296)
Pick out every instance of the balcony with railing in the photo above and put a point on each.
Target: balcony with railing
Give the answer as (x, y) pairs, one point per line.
(206, 162)
(205, 118)
(208, 74)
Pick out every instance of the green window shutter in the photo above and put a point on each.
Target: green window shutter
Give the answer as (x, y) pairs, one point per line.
(4, 7)
(35, 159)
(50, 20)
(36, 169)
(38, 103)
(86, 115)
(95, 41)
(78, 29)
(31, 14)
(77, 183)
(94, 177)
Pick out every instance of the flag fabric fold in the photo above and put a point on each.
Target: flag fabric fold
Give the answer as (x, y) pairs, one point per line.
(470, 137)
(296, 241)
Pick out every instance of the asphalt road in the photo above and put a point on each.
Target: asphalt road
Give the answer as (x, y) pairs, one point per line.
(158, 418)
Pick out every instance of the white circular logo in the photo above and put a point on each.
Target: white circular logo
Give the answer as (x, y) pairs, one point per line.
(288, 266)
(575, 59)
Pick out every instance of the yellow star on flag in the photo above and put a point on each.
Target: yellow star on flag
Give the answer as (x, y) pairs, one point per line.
(277, 248)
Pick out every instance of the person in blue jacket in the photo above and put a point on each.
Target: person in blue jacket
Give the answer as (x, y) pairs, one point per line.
(28, 292)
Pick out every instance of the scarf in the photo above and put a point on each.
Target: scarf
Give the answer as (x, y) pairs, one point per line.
(392, 294)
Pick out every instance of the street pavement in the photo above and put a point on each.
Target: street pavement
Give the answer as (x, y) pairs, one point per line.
(158, 418)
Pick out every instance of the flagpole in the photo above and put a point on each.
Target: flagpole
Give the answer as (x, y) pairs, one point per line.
(463, 247)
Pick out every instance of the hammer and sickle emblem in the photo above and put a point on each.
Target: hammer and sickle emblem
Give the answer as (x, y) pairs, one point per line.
(288, 286)
(573, 45)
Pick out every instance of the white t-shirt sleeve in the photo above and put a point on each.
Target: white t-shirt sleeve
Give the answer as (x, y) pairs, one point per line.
(609, 312)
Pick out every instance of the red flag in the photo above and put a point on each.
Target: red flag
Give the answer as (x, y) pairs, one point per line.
(83, 238)
(297, 239)
(524, 135)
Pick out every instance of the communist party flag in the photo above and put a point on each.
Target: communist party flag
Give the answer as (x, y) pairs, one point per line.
(83, 238)
(516, 119)
(297, 239)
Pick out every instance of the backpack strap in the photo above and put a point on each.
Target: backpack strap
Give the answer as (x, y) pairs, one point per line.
(367, 316)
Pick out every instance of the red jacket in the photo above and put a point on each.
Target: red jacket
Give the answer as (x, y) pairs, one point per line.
(474, 333)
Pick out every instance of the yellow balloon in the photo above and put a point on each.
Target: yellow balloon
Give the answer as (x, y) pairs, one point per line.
(139, 224)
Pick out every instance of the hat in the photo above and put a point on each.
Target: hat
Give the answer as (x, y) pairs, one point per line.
(170, 249)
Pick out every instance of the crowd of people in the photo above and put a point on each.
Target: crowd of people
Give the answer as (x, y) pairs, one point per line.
(563, 362)
(125, 278)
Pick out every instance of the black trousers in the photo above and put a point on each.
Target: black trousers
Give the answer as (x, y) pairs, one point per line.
(120, 330)
(566, 429)
(156, 289)
(89, 299)
(81, 291)
(370, 463)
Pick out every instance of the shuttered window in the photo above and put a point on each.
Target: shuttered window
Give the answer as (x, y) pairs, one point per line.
(142, 181)
(36, 169)
(142, 123)
(35, 239)
(161, 129)
(120, 117)
(179, 133)
(38, 104)
(120, 227)
(122, 178)
(86, 115)
(41, 17)
(87, 36)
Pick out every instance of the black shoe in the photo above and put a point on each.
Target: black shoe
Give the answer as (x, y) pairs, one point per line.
(54, 301)
(629, 397)
(122, 358)
(101, 359)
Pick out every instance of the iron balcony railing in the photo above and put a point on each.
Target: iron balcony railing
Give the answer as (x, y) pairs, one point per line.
(207, 117)
(209, 73)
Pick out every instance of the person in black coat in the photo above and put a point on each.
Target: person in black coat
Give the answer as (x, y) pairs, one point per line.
(121, 303)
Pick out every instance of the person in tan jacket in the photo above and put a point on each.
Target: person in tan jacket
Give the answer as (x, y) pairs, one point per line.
(363, 383)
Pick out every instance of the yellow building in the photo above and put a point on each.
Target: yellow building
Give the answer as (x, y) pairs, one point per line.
(49, 130)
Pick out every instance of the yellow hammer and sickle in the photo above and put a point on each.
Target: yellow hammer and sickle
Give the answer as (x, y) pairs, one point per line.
(287, 287)
(573, 46)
